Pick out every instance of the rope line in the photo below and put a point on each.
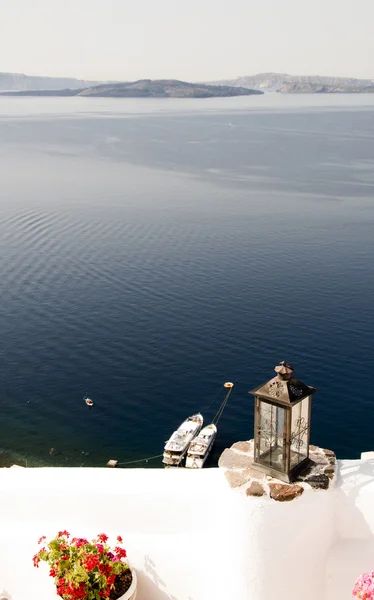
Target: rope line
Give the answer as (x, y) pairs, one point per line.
(222, 407)
(130, 462)
(213, 401)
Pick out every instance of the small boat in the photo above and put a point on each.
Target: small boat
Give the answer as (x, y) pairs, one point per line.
(200, 447)
(88, 401)
(176, 447)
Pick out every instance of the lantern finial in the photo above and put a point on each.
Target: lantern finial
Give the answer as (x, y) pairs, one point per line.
(284, 370)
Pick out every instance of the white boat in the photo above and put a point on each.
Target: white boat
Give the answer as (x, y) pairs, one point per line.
(200, 447)
(176, 447)
(88, 401)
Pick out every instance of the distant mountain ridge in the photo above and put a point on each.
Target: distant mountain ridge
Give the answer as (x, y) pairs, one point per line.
(283, 82)
(145, 88)
(17, 82)
(263, 82)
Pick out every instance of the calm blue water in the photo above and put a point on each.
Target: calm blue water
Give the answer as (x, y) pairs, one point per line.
(151, 250)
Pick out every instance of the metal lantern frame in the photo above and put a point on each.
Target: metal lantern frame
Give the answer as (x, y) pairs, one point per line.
(282, 425)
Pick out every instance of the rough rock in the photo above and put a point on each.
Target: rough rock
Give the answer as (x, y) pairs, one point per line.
(329, 452)
(253, 474)
(329, 469)
(242, 446)
(230, 459)
(235, 479)
(255, 489)
(319, 482)
(281, 492)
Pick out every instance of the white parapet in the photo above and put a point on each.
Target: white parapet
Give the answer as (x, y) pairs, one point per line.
(190, 535)
(367, 455)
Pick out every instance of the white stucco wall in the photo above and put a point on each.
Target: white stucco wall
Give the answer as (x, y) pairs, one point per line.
(190, 536)
(353, 551)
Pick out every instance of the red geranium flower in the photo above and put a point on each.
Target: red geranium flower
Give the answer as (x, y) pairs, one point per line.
(82, 570)
(36, 560)
(121, 552)
(91, 563)
(105, 569)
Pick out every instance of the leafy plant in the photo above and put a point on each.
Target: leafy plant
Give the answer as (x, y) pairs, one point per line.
(82, 569)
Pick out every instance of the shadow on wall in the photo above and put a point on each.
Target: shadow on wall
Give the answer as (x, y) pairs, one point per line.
(150, 583)
(353, 551)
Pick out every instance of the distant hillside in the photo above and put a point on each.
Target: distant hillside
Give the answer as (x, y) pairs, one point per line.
(10, 82)
(317, 88)
(274, 82)
(146, 88)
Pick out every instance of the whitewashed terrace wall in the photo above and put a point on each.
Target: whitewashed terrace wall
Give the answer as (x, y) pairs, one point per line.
(190, 536)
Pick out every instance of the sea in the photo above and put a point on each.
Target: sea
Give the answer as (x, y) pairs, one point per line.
(153, 249)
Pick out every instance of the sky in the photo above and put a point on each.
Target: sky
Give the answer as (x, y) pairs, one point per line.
(194, 40)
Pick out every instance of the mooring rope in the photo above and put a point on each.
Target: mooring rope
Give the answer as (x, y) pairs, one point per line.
(222, 407)
(130, 462)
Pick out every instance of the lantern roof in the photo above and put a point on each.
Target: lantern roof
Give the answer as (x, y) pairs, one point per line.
(283, 388)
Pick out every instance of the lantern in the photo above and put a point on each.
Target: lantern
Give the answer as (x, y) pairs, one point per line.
(282, 425)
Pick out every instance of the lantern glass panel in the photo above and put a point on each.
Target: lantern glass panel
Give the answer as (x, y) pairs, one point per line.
(299, 432)
(271, 436)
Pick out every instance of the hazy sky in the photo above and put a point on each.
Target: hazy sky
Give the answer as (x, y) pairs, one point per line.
(186, 39)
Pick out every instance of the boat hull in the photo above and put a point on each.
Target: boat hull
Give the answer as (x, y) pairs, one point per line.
(176, 447)
(197, 458)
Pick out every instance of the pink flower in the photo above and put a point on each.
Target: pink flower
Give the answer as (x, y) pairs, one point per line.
(364, 587)
(102, 537)
(119, 539)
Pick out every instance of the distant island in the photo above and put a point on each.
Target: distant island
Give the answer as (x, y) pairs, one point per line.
(24, 85)
(301, 84)
(145, 88)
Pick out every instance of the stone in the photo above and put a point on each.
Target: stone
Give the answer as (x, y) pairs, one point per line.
(235, 479)
(230, 459)
(253, 474)
(320, 481)
(329, 469)
(112, 463)
(332, 460)
(242, 446)
(329, 452)
(255, 489)
(313, 448)
(282, 492)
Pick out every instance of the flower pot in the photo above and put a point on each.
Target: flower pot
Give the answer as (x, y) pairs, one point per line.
(131, 592)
